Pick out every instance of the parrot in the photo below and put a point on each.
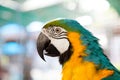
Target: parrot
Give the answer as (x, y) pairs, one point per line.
(78, 51)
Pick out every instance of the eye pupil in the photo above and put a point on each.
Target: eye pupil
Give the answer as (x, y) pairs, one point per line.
(58, 30)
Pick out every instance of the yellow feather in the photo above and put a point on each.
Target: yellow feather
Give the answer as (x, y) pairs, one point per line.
(78, 69)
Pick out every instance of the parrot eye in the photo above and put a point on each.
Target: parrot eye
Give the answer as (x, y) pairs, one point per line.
(58, 30)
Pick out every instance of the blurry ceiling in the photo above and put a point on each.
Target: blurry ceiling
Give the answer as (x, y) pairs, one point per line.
(25, 11)
(27, 5)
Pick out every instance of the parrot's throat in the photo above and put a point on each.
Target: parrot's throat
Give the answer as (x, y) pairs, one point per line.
(76, 68)
(65, 56)
(75, 47)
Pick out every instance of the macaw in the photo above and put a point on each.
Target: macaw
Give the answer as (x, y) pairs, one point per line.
(78, 51)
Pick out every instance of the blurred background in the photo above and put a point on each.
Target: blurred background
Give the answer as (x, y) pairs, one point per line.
(22, 20)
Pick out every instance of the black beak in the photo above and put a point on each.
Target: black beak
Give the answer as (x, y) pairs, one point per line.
(42, 43)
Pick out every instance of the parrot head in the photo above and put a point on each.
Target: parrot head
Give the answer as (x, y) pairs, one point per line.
(53, 40)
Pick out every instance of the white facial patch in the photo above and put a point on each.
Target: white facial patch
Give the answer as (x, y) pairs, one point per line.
(62, 45)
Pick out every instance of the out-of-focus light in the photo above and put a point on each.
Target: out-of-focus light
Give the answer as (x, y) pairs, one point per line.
(34, 4)
(95, 5)
(12, 31)
(10, 4)
(103, 40)
(36, 74)
(12, 48)
(84, 20)
(71, 6)
(114, 48)
(34, 26)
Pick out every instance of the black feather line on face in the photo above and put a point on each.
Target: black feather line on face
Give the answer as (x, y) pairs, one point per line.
(52, 51)
(66, 55)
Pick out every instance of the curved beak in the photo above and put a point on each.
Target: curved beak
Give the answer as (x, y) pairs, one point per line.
(42, 43)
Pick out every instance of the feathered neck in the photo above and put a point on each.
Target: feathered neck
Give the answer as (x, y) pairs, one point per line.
(76, 68)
